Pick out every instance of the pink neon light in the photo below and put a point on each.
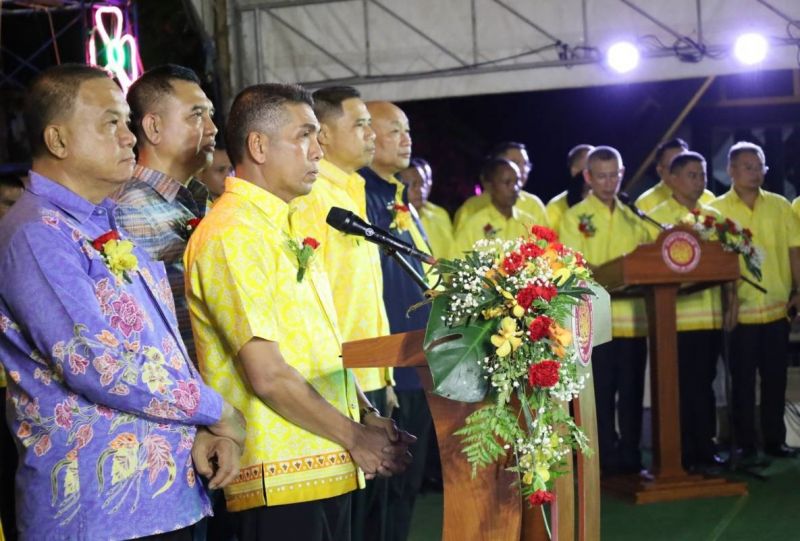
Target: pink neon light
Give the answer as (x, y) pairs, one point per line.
(114, 43)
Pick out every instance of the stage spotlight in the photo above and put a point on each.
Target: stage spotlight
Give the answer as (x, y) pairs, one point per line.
(622, 57)
(750, 48)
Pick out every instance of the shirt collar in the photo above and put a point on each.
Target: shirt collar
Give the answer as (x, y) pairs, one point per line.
(337, 176)
(272, 206)
(735, 196)
(166, 186)
(65, 199)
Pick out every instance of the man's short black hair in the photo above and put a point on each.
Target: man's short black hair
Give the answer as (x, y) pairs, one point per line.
(681, 160)
(153, 85)
(499, 149)
(673, 144)
(260, 107)
(603, 153)
(10, 181)
(493, 165)
(328, 101)
(51, 95)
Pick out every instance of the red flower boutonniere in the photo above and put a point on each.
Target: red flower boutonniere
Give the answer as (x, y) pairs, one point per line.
(191, 225)
(586, 226)
(490, 231)
(304, 252)
(117, 254)
(401, 216)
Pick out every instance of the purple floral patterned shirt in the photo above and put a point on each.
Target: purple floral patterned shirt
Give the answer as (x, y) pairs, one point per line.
(102, 399)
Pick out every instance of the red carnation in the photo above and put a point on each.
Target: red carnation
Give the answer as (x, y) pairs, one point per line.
(531, 250)
(513, 262)
(708, 221)
(101, 241)
(539, 328)
(311, 241)
(193, 223)
(747, 233)
(696, 212)
(730, 223)
(579, 259)
(559, 248)
(544, 374)
(546, 292)
(544, 233)
(400, 207)
(541, 496)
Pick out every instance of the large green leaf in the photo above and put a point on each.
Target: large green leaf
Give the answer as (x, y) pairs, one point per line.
(454, 355)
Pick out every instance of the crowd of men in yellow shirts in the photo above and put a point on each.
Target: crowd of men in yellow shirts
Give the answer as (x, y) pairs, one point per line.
(264, 293)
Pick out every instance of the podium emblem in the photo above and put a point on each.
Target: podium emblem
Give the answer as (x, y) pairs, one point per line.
(582, 329)
(680, 251)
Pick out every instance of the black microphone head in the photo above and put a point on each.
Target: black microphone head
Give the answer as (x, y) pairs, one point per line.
(624, 198)
(337, 217)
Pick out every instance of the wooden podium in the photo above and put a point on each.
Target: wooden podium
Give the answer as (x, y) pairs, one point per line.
(489, 506)
(676, 262)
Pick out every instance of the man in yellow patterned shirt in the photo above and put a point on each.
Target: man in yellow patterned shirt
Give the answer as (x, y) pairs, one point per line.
(528, 202)
(353, 265)
(603, 229)
(502, 218)
(661, 191)
(418, 176)
(699, 320)
(267, 333)
(760, 340)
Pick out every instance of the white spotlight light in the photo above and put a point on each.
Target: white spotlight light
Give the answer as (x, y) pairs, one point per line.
(622, 57)
(750, 49)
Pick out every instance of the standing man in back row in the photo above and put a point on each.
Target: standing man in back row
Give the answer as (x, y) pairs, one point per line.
(388, 208)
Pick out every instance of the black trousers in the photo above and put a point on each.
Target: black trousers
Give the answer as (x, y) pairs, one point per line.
(697, 366)
(320, 520)
(762, 347)
(415, 417)
(184, 534)
(8, 469)
(618, 371)
(370, 505)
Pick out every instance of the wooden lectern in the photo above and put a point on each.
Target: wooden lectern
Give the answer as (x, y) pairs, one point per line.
(489, 506)
(677, 261)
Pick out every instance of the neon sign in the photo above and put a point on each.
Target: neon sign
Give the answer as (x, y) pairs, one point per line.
(118, 52)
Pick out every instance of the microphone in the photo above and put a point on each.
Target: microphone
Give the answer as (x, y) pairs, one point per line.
(347, 222)
(625, 199)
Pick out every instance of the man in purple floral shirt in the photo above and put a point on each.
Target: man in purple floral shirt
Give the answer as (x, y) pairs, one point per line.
(103, 400)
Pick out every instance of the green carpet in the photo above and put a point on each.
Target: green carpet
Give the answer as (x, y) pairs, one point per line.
(770, 512)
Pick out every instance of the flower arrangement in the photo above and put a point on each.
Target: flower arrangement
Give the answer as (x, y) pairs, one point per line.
(117, 254)
(401, 216)
(730, 235)
(304, 252)
(508, 302)
(586, 226)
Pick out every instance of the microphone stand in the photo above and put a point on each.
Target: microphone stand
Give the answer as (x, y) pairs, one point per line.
(406, 266)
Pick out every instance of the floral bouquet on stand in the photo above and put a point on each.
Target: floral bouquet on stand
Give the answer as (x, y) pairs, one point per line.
(497, 327)
(732, 237)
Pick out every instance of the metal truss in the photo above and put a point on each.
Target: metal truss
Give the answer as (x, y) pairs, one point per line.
(555, 53)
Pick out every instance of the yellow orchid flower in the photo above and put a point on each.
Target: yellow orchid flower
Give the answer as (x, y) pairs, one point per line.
(561, 338)
(119, 256)
(542, 471)
(527, 479)
(493, 312)
(561, 276)
(511, 302)
(508, 338)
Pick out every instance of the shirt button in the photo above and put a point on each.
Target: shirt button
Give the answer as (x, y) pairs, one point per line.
(99, 211)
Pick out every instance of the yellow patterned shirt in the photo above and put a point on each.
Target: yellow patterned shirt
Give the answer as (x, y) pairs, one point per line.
(775, 229)
(241, 283)
(796, 206)
(352, 264)
(555, 209)
(436, 222)
(616, 233)
(488, 223)
(701, 310)
(527, 202)
(660, 193)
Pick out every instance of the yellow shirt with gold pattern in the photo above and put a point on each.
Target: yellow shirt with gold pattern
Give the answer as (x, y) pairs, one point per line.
(439, 229)
(488, 223)
(659, 193)
(616, 233)
(701, 310)
(241, 284)
(352, 264)
(527, 203)
(775, 228)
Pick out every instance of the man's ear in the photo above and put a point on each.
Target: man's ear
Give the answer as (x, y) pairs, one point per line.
(152, 128)
(257, 145)
(587, 177)
(324, 135)
(55, 139)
